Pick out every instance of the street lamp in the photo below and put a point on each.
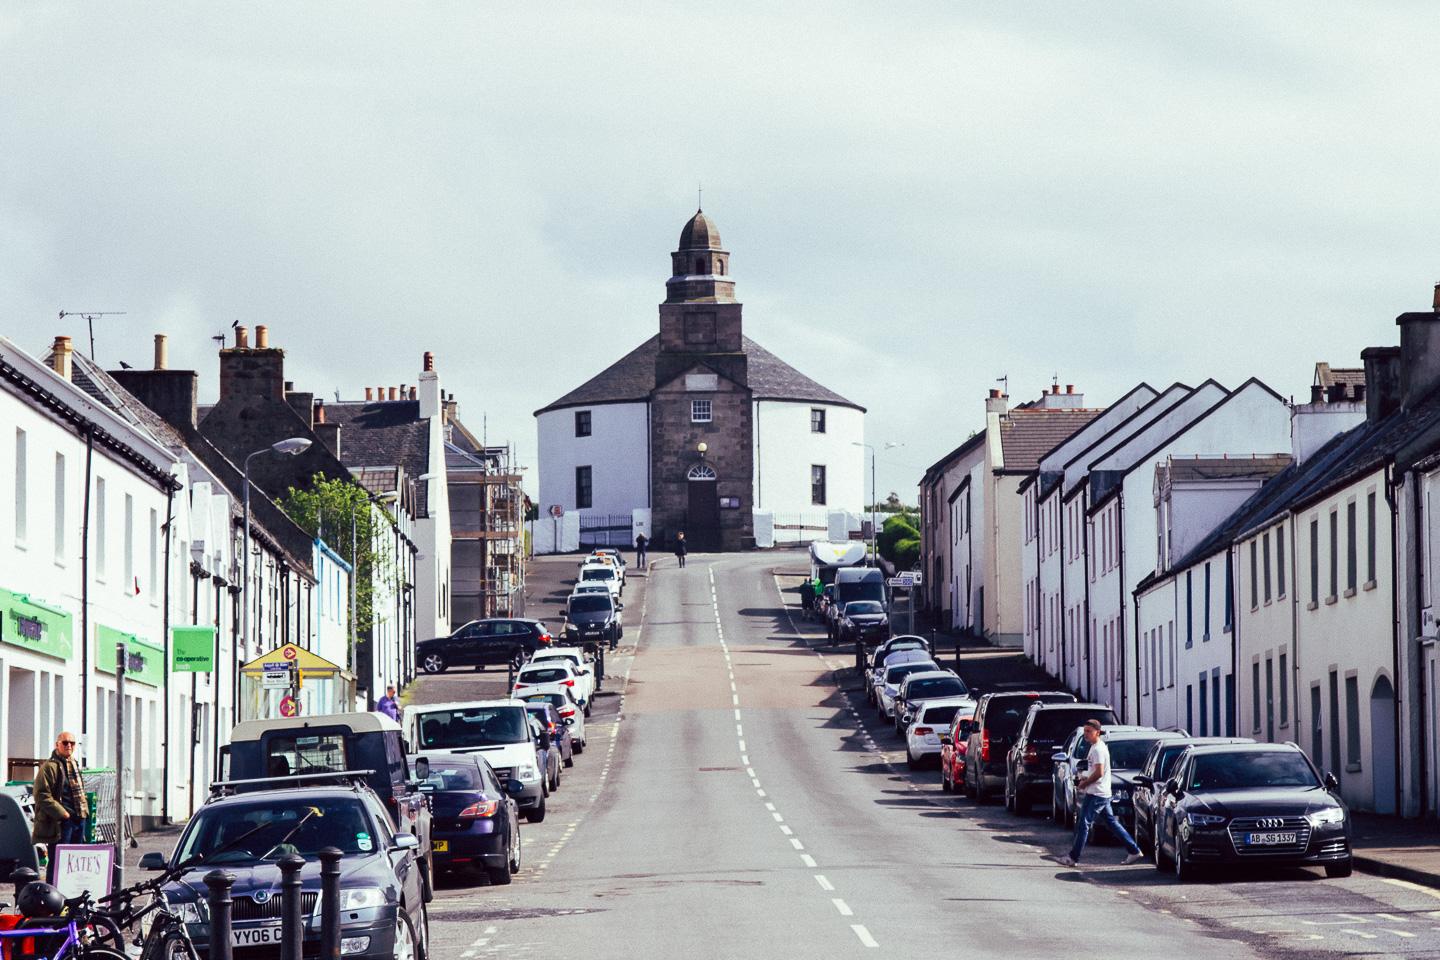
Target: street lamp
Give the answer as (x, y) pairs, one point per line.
(290, 448)
(874, 547)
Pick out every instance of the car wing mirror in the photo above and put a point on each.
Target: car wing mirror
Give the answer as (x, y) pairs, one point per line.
(514, 787)
(405, 841)
(422, 768)
(1172, 787)
(1057, 757)
(1331, 783)
(1143, 780)
(154, 860)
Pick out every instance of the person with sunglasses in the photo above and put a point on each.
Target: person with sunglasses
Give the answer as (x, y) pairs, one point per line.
(61, 810)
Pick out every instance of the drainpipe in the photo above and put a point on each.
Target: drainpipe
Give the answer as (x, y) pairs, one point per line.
(1419, 591)
(165, 631)
(1124, 647)
(1085, 578)
(1061, 541)
(1039, 626)
(1234, 656)
(85, 585)
(1390, 502)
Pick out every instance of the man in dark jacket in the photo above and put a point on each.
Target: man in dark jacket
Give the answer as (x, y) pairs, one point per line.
(680, 548)
(60, 806)
(641, 542)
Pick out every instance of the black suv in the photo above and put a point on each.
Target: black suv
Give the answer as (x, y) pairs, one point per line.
(1254, 803)
(1028, 765)
(481, 643)
(998, 717)
(864, 621)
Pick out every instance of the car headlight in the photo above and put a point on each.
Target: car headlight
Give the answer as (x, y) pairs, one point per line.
(527, 773)
(358, 898)
(188, 911)
(1329, 815)
(1203, 820)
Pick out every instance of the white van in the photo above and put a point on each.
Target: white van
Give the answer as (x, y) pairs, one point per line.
(500, 730)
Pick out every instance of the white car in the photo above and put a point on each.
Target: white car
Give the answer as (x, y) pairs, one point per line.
(606, 573)
(584, 675)
(922, 737)
(550, 676)
(594, 586)
(571, 713)
(877, 675)
(608, 555)
(889, 688)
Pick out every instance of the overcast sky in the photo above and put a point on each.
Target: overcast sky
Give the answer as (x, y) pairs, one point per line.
(919, 198)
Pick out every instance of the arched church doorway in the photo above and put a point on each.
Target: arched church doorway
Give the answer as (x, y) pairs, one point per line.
(702, 519)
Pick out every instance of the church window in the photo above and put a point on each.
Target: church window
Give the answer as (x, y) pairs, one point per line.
(817, 420)
(701, 471)
(700, 411)
(720, 266)
(583, 489)
(582, 423)
(817, 484)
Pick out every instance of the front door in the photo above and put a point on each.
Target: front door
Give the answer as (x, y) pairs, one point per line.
(703, 518)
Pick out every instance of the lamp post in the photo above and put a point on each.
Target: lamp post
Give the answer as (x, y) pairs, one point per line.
(291, 447)
(874, 530)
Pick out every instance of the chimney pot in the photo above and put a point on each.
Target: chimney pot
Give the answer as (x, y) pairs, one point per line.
(1317, 393)
(289, 386)
(1069, 388)
(1435, 300)
(262, 337)
(162, 352)
(1337, 393)
(369, 394)
(413, 394)
(242, 337)
(1357, 392)
(994, 394)
(319, 411)
(393, 393)
(429, 360)
(62, 362)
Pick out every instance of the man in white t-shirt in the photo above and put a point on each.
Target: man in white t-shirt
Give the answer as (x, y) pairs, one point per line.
(1094, 785)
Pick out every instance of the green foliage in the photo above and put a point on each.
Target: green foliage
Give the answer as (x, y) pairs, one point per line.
(324, 510)
(902, 526)
(907, 553)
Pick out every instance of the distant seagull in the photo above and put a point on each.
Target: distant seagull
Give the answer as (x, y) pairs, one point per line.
(234, 324)
(125, 366)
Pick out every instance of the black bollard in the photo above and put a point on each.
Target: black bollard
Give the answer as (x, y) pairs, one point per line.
(219, 884)
(292, 917)
(330, 903)
(600, 663)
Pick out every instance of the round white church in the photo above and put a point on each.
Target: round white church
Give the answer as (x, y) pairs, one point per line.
(701, 426)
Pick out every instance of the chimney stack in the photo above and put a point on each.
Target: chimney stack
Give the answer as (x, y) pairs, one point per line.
(1317, 393)
(262, 337)
(1069, 388)
(64, 357)
(242, 338)
(997, 403)
(319, 416)
(329, 433)
(1383, 374)
(369, 394)
(162, 352)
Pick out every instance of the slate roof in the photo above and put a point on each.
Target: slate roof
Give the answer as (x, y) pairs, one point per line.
(632, 377)
(1028, 433)
(1327, 376)
(971, 442)
(1226, 468)
(384, 433)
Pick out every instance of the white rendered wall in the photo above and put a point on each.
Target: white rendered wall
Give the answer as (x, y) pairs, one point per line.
(617, 452)
(786, 448)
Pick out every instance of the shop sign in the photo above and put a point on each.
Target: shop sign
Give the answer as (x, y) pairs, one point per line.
(34, 626)
(192, 649)
(144, 662)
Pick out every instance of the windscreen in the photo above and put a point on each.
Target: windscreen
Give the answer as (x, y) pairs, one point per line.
(863, 606)
(1168, 756)
(1003, 717)
(597, 573)
(1240, 771)
(1055, 724)
(897, 673)
(1129, 754)
(591, 603)
(556, 700)
(545, 675)
(938, 687)
(453, 776)
(473, 727)
(299, 824)
(290, 754)
(940, 716)
(872, 589)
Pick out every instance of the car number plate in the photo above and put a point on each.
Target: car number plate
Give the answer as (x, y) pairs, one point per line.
(1269, 839)
(440, 846)
(254, 936)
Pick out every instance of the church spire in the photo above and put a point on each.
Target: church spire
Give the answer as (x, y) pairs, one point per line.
(700, 268)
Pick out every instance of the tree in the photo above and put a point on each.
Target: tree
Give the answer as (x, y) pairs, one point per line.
(324, 510)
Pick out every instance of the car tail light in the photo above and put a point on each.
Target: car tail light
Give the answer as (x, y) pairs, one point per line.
(485, 808)
(922, 731)
(962, 747)
(569, 683)
(985, 746)
(568, 712)
(1032, 755)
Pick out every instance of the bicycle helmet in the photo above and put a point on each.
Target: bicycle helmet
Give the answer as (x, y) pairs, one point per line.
(39, 899)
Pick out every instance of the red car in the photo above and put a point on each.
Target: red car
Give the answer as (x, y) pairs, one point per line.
(952, 752)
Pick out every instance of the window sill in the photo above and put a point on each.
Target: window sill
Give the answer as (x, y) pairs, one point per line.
(1311, 605)
(20, 545)
(1284, 725)
(1349, 592)
(1352, 768)
(1268, 602)
(1368, 585)
(1204, 638)
(1331, 599)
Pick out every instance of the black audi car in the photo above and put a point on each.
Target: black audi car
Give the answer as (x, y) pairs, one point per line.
(863, 621)
(382, 908)
(593, 619)
(1257, 803)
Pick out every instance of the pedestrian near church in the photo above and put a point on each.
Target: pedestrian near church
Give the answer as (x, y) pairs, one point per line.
(61, 810)
(1094, 785)
(388, 705)
(680, 548)
(641, 542)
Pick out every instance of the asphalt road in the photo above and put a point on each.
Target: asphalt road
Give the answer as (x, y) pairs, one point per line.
(739, 801)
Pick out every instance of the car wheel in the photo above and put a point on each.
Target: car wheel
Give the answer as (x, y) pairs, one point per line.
(537, 815)
(1054, 809)
(517, 853)
(1009, 801)
(500, 876)
(586, 708)
(423, 934)
(427, 886)
(570, 760)
(579, 746)
(981, 797)
(433, 663)
(1337, 870)
(406, 945)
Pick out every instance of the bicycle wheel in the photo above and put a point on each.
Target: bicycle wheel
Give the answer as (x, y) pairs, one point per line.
(97, 953)
(172, 945)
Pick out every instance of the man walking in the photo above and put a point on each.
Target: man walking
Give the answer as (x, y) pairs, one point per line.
(61, 810)
(680, 548)
(641, 542)
(1094, 785)
(388, 705)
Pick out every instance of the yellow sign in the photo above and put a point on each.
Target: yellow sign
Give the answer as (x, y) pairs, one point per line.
(311, 664)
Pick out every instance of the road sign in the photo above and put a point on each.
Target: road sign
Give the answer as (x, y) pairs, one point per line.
(905, 581)
(290, 653)
(275, 677)
(557, 510)
(289, 707)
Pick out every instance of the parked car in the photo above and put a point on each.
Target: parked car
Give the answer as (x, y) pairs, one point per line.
(615, 555)
(593, 618)
(953, 746)
(561, 742)
(550, 674)
(864, 621)
(477, 822)
(1150, 782)
(1129, 746)
(825, 604)
(569, 710)
(547, 758)
(382, 903)
(482, 643)
(582, 665)
(498, 729)
(1255, 803)
(1028, 763)
(923, 686)
(895, 644)
(305, 748)
(877, 676)
(889, 688)
(923, 738)
(998, 718)
(606, 573)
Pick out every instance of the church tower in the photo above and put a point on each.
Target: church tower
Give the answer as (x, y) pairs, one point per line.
(702, 396)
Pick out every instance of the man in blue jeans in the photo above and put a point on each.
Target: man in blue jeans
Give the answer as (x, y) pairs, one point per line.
(1094, 786)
